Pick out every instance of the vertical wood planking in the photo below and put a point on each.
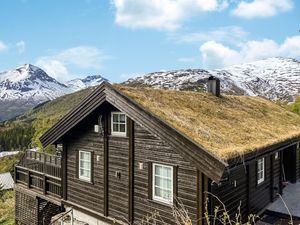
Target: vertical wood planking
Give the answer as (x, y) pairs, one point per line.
(105, 164)
(131, 170)
(199, 198)
(64, 171)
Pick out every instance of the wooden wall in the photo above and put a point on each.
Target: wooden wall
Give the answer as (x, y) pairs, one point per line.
(233, 192)
(241, 187)
(86, 194)
(26, 208)
(118, 186)
(149, 148)
(114, 198)
(298, 162)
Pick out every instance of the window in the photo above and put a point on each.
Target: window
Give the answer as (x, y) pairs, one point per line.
(260, 170)
(118, 123)
(85, 165)
(276, 155)
(162, 183)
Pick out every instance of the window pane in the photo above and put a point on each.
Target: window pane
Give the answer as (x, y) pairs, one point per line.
(122, 118)
(85, 164)
(157, 181)
(115, 117)
(166, 183)
(122, 127)
(115, 127)
(166, 172)
(163, 193)
(85, 155)
(158, 170)
(158, 192)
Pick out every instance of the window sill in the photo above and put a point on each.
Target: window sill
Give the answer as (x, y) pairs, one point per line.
(78, 180)
(118, 136)
(160, 203)
(260, 184)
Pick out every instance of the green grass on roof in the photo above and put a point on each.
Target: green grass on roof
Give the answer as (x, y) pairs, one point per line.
(227, 126)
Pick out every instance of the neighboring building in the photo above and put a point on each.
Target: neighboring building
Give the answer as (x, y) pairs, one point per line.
(8, 153)
(129, 152)
(6, 182)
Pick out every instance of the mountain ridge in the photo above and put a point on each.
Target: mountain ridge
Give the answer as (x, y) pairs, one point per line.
(274, 78)
(28, 85)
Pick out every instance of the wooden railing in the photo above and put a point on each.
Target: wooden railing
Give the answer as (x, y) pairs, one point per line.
(41, 172)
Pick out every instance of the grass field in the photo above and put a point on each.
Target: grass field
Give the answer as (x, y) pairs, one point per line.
(7, 208)
(7, 198)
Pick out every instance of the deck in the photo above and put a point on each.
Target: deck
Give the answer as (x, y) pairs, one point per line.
(41, 173)
(291, 198)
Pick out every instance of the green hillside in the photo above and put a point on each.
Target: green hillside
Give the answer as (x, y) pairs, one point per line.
(24, 131)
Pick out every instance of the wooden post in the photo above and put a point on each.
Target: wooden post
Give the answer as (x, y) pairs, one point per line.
(44, 163)
(28, 179)
(15, 174)
(44, 184)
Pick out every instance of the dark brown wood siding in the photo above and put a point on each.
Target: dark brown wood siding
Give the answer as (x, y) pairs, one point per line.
(240, 188)
(118, 178)
(86, 194)
(145, 148)
(298, 161)
(149, 148)
(232, 191)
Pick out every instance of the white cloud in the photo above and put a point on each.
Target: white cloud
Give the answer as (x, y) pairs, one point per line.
(55, 69)
(216, 55)
(2, 46)
(231, 34)
(261, 8)
(161, 14)
(83, 57)
(21, 45)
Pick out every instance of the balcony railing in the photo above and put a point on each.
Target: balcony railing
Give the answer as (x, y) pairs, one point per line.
(41, 172)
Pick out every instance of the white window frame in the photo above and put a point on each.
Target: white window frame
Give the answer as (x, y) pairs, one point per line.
(79, 167)
(276, 155)
(118, 133)
(260, 171)
(158, 198)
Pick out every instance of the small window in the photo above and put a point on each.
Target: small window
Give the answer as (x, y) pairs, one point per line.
(118, 123)
(260, 170)
(85, 165)
(276, 155)
(162, 183)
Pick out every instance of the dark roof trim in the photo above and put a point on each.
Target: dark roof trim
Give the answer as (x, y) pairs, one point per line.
(248, 158)
(207, 163)
(76, 115)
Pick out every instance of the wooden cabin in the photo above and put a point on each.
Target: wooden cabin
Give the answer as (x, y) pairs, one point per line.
(130, 154)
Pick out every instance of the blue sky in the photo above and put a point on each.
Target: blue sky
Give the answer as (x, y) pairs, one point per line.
(123, 38)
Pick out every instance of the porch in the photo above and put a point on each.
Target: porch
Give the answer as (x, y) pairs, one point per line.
(41, 173)
(290, 199)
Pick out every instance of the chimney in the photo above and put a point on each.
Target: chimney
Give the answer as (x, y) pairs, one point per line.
(213, 86)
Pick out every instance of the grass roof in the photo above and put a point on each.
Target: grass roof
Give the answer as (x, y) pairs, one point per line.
(227, 126)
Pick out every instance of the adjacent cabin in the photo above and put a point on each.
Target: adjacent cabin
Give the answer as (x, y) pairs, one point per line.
(127, 153)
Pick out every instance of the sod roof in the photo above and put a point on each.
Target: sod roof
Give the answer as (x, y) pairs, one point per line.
(227, 126)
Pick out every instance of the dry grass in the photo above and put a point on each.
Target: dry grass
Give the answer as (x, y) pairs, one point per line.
(228, 126)
(7, 208)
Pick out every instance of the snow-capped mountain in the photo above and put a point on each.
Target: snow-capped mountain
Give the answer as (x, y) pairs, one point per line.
(31, 83)
(89, 81)
(28, 86)
(274, 78)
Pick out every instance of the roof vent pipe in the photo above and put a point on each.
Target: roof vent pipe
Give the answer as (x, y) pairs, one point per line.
(213, 86)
